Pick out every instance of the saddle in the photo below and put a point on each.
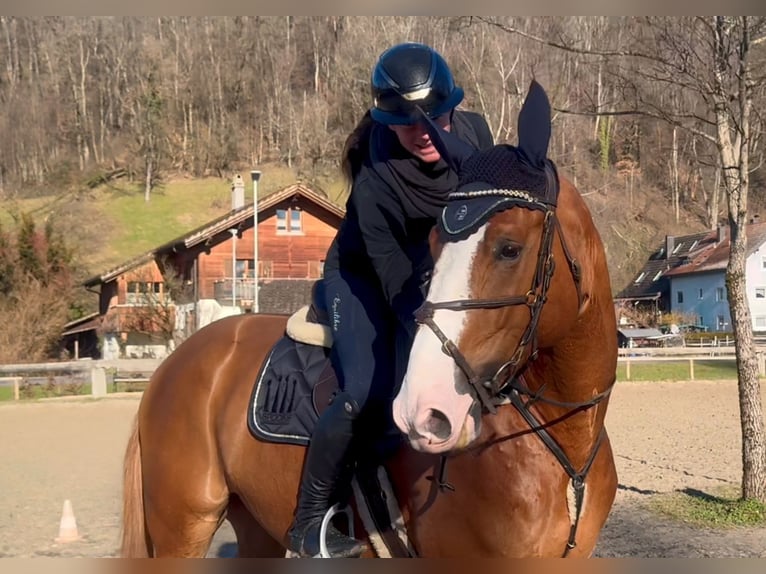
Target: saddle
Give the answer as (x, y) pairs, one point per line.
(296, 383)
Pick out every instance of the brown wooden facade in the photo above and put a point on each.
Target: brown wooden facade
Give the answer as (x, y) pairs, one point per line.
(217, 262)
(293, 238)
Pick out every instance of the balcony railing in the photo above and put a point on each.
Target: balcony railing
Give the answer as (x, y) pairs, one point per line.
(231, 292)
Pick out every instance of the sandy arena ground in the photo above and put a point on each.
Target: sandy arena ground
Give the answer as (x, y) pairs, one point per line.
(666, 436)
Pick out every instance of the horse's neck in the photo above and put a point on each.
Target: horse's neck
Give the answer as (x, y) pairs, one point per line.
(576, 370)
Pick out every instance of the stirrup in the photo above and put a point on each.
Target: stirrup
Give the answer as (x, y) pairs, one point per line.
(332, 512)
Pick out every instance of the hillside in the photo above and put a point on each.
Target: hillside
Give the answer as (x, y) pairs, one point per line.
(191, 100)
(112, 223)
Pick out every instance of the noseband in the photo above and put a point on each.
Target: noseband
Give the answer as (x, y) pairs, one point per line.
(504, 385)
(489, 388)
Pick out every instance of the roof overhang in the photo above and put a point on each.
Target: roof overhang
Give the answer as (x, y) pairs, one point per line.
(88, 323)
(219, 226)
(653, 297)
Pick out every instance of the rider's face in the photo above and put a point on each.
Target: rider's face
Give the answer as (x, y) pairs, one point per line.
(415, 139)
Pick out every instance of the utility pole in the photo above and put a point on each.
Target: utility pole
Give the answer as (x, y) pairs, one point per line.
(233, 267)
(255, 175)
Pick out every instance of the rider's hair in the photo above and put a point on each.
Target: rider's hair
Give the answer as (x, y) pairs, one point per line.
(356, 149)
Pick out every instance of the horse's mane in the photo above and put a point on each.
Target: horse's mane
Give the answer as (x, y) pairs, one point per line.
(584, 236)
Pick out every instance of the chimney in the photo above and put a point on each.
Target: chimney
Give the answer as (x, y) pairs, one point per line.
(723, 231)
(237, 193)
(670, 244)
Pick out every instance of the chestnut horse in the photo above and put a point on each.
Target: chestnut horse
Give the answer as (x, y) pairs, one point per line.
(507, 384)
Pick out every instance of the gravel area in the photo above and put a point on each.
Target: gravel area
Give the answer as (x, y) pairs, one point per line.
(666, 437)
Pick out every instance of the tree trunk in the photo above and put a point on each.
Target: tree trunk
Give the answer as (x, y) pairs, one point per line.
(148, 179)
(734, 160)
(674, 176)
(751, 410)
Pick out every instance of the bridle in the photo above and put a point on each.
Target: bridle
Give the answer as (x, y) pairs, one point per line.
(487, 389)
(507, 385)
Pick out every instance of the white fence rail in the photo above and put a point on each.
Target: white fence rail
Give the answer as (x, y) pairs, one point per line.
(100, 373)
(96, 372)
(690, 354)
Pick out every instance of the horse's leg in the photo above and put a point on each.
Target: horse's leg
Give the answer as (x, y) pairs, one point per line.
(185, 491)
(162, 513)
(253, 540)
(599, 497)
(183, 514)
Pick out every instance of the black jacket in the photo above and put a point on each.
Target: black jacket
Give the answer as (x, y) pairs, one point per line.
(385, 238)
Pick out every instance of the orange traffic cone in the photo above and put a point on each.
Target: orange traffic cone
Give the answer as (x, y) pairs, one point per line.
(68, 526)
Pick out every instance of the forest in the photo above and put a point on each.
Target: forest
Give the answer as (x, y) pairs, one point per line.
(89, 101)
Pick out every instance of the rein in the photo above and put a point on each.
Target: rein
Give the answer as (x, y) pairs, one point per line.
(503, 386)
(534, 299)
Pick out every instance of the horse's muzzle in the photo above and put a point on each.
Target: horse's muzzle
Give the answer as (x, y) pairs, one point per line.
(434, 431)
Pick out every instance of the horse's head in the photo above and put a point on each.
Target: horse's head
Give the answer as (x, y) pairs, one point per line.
(506, 283)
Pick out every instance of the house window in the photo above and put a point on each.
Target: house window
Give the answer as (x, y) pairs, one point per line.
(693, 246)
(659, 274)
(678, 247)
(760, 292)
(296, 221)
(289, 221)
(720, 294)
(720, 322)
(640, 277)
(144, 292)
(281, 220)
(245, 268)
(679, 296)
(700, 294)
(265, 269)
(316, 269)
(760, 321)
(763, 263)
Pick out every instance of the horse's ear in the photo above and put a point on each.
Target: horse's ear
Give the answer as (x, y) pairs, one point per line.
(535, 125)
(451, 148)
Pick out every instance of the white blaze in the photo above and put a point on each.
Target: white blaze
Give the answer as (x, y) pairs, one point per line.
(431, 373)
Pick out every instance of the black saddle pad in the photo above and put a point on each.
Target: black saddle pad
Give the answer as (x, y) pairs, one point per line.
(295, 382)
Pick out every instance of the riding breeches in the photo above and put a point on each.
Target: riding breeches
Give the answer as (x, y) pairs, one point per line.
(363, 338)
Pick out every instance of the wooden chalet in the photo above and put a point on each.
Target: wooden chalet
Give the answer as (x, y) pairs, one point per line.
(169, 292)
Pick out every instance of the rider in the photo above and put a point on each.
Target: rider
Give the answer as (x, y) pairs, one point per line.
(377, 265)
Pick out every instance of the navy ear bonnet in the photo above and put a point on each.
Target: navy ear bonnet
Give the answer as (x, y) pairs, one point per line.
(503, 176)
(493, 180)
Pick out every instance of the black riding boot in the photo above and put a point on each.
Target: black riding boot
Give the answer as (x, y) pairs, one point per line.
(325, 460)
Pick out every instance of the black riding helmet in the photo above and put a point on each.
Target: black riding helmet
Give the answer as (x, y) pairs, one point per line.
(412, 74)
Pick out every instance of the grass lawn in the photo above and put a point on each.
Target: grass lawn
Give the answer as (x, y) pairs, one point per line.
(40, 392)
(112, 224)
(677, 370)
(722, 509)
(173, 210)
(36, 391)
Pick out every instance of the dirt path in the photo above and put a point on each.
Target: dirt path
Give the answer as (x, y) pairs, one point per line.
(674, 436)
(667, 436)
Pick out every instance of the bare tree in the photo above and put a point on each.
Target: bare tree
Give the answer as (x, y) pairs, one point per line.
(153, 313)
(733, 86)
(697, 74)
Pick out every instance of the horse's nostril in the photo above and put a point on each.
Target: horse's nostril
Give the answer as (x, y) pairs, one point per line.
(438, 425)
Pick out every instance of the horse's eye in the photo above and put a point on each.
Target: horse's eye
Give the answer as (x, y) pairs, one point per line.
(507, 251)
